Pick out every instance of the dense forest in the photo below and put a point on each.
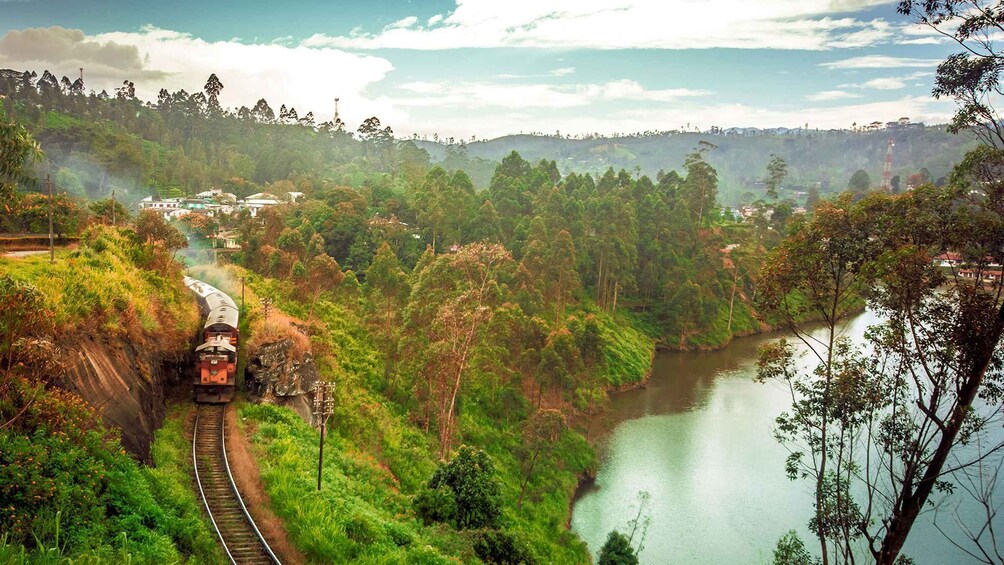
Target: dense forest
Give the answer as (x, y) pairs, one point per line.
(646, 245)
(473, 327)
(493, 318)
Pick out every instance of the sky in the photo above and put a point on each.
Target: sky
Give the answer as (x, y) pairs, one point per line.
(485, 68)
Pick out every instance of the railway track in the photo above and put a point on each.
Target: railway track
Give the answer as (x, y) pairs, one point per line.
(237, 532)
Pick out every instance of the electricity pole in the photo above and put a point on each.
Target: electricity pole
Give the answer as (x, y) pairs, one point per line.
(52, 248)
(324, 406)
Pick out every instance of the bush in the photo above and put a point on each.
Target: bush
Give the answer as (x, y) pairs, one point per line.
(476, 488)
(503, 548)
(790, 550)
(617, 551)
(70, 491)
(436, 505)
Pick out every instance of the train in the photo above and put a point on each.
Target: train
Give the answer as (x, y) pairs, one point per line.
(215, 375)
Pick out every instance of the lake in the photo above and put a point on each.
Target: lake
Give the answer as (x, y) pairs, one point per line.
(698, 441)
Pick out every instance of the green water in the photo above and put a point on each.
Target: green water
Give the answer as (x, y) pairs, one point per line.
(698, 441)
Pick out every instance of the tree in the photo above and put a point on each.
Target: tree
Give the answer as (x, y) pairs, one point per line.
(212, 89)
(19, 150)
(151, 226)
(262, 112)
(878, 427)
(812, 198)
(127, 91)
(102, 211)
(700, 188)
(369, 131)
(860, 181)
(323, 275)
(67, 179)
(387, 288)
(826, 278)
(540, 433)
(617, 550)
(471, 480)
(777, 169)
(452, 304)
(971, 77)
(22, 315)
(502, 548)
(790, 550)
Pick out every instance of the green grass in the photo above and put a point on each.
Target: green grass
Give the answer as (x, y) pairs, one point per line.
(72, 495)
(377, 459)
(627, 350)
(104, 284)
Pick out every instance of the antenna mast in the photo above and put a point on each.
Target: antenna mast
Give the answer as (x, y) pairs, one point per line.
(887, 170)
(337, 119)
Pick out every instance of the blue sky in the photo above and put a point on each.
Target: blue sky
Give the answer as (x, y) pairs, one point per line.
(486, 68)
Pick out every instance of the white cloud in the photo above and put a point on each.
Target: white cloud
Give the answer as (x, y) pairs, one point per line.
(880, 62)
(153, 58)
(563, 71)
(403, 23)
(889, 83)
(471, 95)
(605, 24)
(828, 95)
(921, 41)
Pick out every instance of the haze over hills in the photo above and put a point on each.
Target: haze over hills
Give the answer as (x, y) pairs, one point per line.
(826, 157)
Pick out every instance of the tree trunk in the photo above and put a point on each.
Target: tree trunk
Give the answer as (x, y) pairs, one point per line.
(732, 299)
(912, 504)
(526, 480)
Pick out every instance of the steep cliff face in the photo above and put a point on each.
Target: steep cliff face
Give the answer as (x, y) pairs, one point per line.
(125, 381)
(280, 372)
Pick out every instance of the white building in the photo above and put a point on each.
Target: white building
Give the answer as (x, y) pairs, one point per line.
(258, 201)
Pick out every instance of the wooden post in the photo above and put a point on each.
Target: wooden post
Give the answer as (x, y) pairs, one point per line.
(324, 405)
(52, 247)
(320, 448)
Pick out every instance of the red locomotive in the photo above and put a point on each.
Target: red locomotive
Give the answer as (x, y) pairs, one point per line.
(215, 379)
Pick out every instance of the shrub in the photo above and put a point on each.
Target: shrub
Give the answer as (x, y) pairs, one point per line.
(617, 551)
(503, 548)
(436, 505)
(476, 488)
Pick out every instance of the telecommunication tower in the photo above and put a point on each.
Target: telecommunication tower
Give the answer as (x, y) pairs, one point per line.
(887, 170)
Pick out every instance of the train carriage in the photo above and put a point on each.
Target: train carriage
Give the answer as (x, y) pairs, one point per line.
(215, 380)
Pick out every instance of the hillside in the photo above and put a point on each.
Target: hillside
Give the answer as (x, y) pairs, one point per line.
(826, 157)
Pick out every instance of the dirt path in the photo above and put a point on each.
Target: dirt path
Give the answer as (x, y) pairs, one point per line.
(244, 467)
(25, 253)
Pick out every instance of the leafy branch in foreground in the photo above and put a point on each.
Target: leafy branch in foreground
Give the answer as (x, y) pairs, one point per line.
(877, 428)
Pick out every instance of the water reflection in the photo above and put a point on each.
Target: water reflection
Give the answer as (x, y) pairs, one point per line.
(698, 440)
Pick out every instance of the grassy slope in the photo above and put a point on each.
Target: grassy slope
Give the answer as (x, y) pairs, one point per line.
(135, 513)
(376, 458)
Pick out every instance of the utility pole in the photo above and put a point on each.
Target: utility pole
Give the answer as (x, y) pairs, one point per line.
(324, 406)
(52, 247)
